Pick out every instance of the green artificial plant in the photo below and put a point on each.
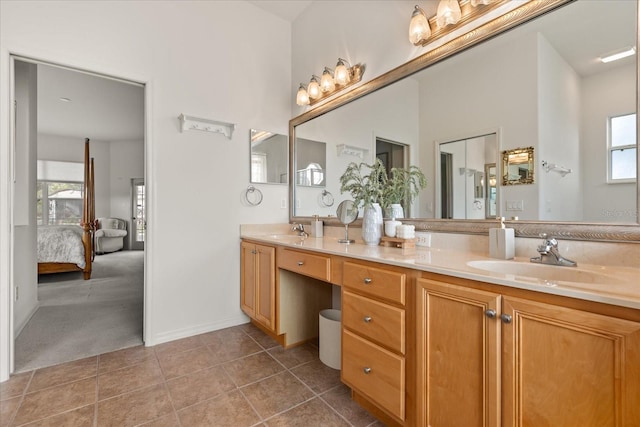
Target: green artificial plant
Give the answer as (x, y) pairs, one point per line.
(366, 183)
(403, 185)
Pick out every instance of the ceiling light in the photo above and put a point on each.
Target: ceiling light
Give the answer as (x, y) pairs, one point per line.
(326, 82)
(313, 89)
(619, 54)
(449, 13)
(302, 98)
(475, 3)
(342, 76)
(419, 29)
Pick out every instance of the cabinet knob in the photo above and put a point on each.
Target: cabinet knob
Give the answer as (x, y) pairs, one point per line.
(506, 318)
(300, 263)
(367, 370)
(254, 251)
(490, 313)
(367, 319)
(367, 280)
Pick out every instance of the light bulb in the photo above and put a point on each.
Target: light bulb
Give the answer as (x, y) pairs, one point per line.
(326, 82)
(419, 29)
(313, 89)
(342, 73)
(302, 98)
(448, 13)
(475, 3)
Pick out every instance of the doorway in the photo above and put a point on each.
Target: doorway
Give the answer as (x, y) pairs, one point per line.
(56, 108)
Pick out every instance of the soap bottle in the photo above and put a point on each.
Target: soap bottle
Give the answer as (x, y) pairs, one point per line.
(316, 226)
(502, 242)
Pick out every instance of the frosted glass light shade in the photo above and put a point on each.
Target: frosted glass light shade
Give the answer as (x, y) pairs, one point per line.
(419, 29)
(341, 73)
(475, 3)
(326, 82)
(449, 13)
(313, 89)
(302, 98)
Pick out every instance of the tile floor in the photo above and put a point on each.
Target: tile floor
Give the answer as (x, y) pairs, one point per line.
(232, 377)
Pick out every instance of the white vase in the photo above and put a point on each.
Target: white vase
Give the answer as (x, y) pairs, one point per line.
(372, 224)
(395, 211)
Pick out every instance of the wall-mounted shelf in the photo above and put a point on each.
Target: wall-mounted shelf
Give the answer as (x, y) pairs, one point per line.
(349, 150)
(556, 168)
(196, 123)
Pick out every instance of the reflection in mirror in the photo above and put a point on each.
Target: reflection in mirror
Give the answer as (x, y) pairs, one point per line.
(517, 166)
(310, 162)
(491, 193)
(268, 157)
(461, 181)
(347, 212)
(540, 84)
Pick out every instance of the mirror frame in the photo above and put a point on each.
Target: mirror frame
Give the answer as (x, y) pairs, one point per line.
(506, 162)
(629, 233)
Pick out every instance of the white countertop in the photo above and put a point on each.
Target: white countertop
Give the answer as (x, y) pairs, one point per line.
(622, 287)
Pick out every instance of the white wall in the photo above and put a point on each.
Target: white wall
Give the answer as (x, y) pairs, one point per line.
(605, 95)
(127, 163)
(25, 258)
(207, 59)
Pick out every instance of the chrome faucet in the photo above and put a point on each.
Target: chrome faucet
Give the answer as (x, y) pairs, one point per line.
(300, 229)
(549, 253)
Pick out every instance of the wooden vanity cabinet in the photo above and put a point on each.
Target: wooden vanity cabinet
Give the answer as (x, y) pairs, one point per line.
(258, 283)
(488, 359)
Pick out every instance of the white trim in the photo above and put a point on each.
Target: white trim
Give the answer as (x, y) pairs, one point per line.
(200, 329)
(21, 326)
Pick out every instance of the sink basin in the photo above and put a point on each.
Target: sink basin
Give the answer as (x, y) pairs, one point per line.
(544, 273)
(287, 237)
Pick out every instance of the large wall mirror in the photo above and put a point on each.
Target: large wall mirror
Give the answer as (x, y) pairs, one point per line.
(268, 157)
(539, 84)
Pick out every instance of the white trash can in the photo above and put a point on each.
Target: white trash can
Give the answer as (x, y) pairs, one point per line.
(330, 339)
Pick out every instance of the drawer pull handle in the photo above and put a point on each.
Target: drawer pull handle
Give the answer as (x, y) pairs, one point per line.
(300, 263)
(367, 280)
(506, 318)
(367, 370)
(490, 313)
(367, 319)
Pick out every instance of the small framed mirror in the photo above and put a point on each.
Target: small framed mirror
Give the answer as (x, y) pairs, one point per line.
(517, 166)
(269, 157)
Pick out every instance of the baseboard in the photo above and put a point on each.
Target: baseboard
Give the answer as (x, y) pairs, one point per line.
(196, 330)
(22, 324)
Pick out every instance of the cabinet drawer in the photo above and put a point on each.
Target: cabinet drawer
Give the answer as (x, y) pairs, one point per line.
(374, 372)
(311, 265)
(385, 284)
(374, 320)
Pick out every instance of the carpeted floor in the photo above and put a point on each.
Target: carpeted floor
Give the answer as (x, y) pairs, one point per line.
(79, 318)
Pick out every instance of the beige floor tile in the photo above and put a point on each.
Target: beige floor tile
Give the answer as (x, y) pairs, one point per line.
(55, 400)
(225, 350)
(125, 357)
(134, 408)
(202, 385)
(127, 379)
(339, 398)
(169, 420)
(229, 409)
(15, 385)
(312, 413)
(186, 362)
(8, 409)
(223, 335)
(178, 346)
(252, 368)
(264, 340)
(295, 356)
(82, 417)
(276, 394)
(317, 375)
(63, 373)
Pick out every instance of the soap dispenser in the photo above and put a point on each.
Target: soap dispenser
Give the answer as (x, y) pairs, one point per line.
(317, 226)
(502, 242)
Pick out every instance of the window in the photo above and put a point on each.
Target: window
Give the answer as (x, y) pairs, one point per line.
(622, 148)
(59, 202)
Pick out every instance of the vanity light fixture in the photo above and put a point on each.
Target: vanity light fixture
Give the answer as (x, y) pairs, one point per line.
(475, 3)
(331, 81)
(313, 89)
(449, 13)
(419, 27)
(619, 54)
(327, 84)
(302, 98)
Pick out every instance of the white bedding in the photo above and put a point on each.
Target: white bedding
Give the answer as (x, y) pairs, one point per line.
(61, 243)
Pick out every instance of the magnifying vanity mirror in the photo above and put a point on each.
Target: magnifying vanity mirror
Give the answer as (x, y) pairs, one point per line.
(268, 157)
(539, 84)
(347, 213)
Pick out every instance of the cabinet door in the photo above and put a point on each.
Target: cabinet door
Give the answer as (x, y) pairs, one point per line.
(458, 355)
(265, 310)
(248, 278)
(565, 367)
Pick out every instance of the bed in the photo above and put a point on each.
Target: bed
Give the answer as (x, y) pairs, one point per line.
(66, 248)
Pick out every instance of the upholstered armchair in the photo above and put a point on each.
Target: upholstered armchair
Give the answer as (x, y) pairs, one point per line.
(109, 235)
